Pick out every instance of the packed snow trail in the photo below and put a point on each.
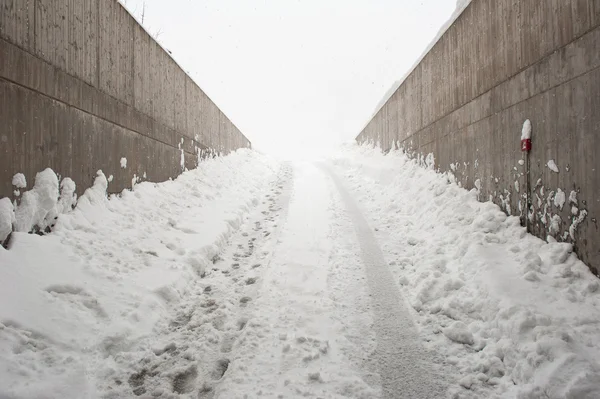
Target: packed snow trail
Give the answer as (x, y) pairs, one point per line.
(297, 343)
(406, 367)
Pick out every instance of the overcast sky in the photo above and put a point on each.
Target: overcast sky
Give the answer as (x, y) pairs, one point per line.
(295, 76)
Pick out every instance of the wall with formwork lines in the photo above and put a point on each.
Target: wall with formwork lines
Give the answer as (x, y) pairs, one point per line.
(502, 62)
(83, 85)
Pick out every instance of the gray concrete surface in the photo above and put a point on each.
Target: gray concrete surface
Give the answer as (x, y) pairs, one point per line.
(82, 85)
(500, 63)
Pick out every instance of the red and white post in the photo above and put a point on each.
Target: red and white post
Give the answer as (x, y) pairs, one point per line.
(525, 149)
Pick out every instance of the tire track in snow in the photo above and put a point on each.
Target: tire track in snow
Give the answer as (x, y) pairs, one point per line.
(406, 367)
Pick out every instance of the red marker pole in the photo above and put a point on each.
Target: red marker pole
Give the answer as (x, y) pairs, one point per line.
(525, 149)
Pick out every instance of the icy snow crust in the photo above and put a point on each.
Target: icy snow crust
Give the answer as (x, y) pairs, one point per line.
(75, 304)
(517, 316)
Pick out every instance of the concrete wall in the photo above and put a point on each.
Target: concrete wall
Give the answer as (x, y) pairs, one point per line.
(82, 85)
(500, 63)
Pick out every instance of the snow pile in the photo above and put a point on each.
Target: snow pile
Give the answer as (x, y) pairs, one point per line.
(37, 209)
(517, 316)
(68, 198)
(19, 182)
(74, 302)
(7, 218)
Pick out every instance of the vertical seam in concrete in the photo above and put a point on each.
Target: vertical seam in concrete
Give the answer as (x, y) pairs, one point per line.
(34, 26)
(98, 44)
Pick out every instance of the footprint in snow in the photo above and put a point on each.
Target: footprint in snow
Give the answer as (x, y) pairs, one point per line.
(244, 300)
(184, 382)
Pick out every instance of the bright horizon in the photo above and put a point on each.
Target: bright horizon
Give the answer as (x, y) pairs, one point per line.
(298, 78)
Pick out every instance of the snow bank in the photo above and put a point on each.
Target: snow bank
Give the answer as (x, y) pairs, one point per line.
(73, 301)
(515, 315)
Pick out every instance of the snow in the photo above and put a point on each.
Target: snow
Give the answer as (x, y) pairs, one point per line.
(7, 218)
(516, 316)
(576, 222)
(458, 332)
(526, 131)
(573, 197)
(19, 180)
(552, 166)
(123, 162)
(68, 198)
(75, 304)
(38, 205)
(559, 198)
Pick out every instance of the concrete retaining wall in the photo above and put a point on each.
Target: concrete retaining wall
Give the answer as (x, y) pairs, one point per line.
(500, 63)
(83, 85)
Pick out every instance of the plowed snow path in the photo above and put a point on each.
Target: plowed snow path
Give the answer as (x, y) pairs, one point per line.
(328, 320)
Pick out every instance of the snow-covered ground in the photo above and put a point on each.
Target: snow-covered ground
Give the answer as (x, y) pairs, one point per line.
(363, 276)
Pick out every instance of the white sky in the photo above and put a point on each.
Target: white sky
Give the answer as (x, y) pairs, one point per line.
(295, 76)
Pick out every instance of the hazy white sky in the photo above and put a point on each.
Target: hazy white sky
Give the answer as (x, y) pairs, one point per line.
(295, 76)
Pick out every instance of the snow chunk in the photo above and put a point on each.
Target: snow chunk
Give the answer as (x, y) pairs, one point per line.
(19, 180)
(552, 165)
(555, 223)
(68, 198)
(458, 332)
(123, 162)
(97, 193)
(521, 162)
(559, 198)
(38, 205)
(574, 210)
(526, 131)
(573, 197)
(576, 222)
(7, 218)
